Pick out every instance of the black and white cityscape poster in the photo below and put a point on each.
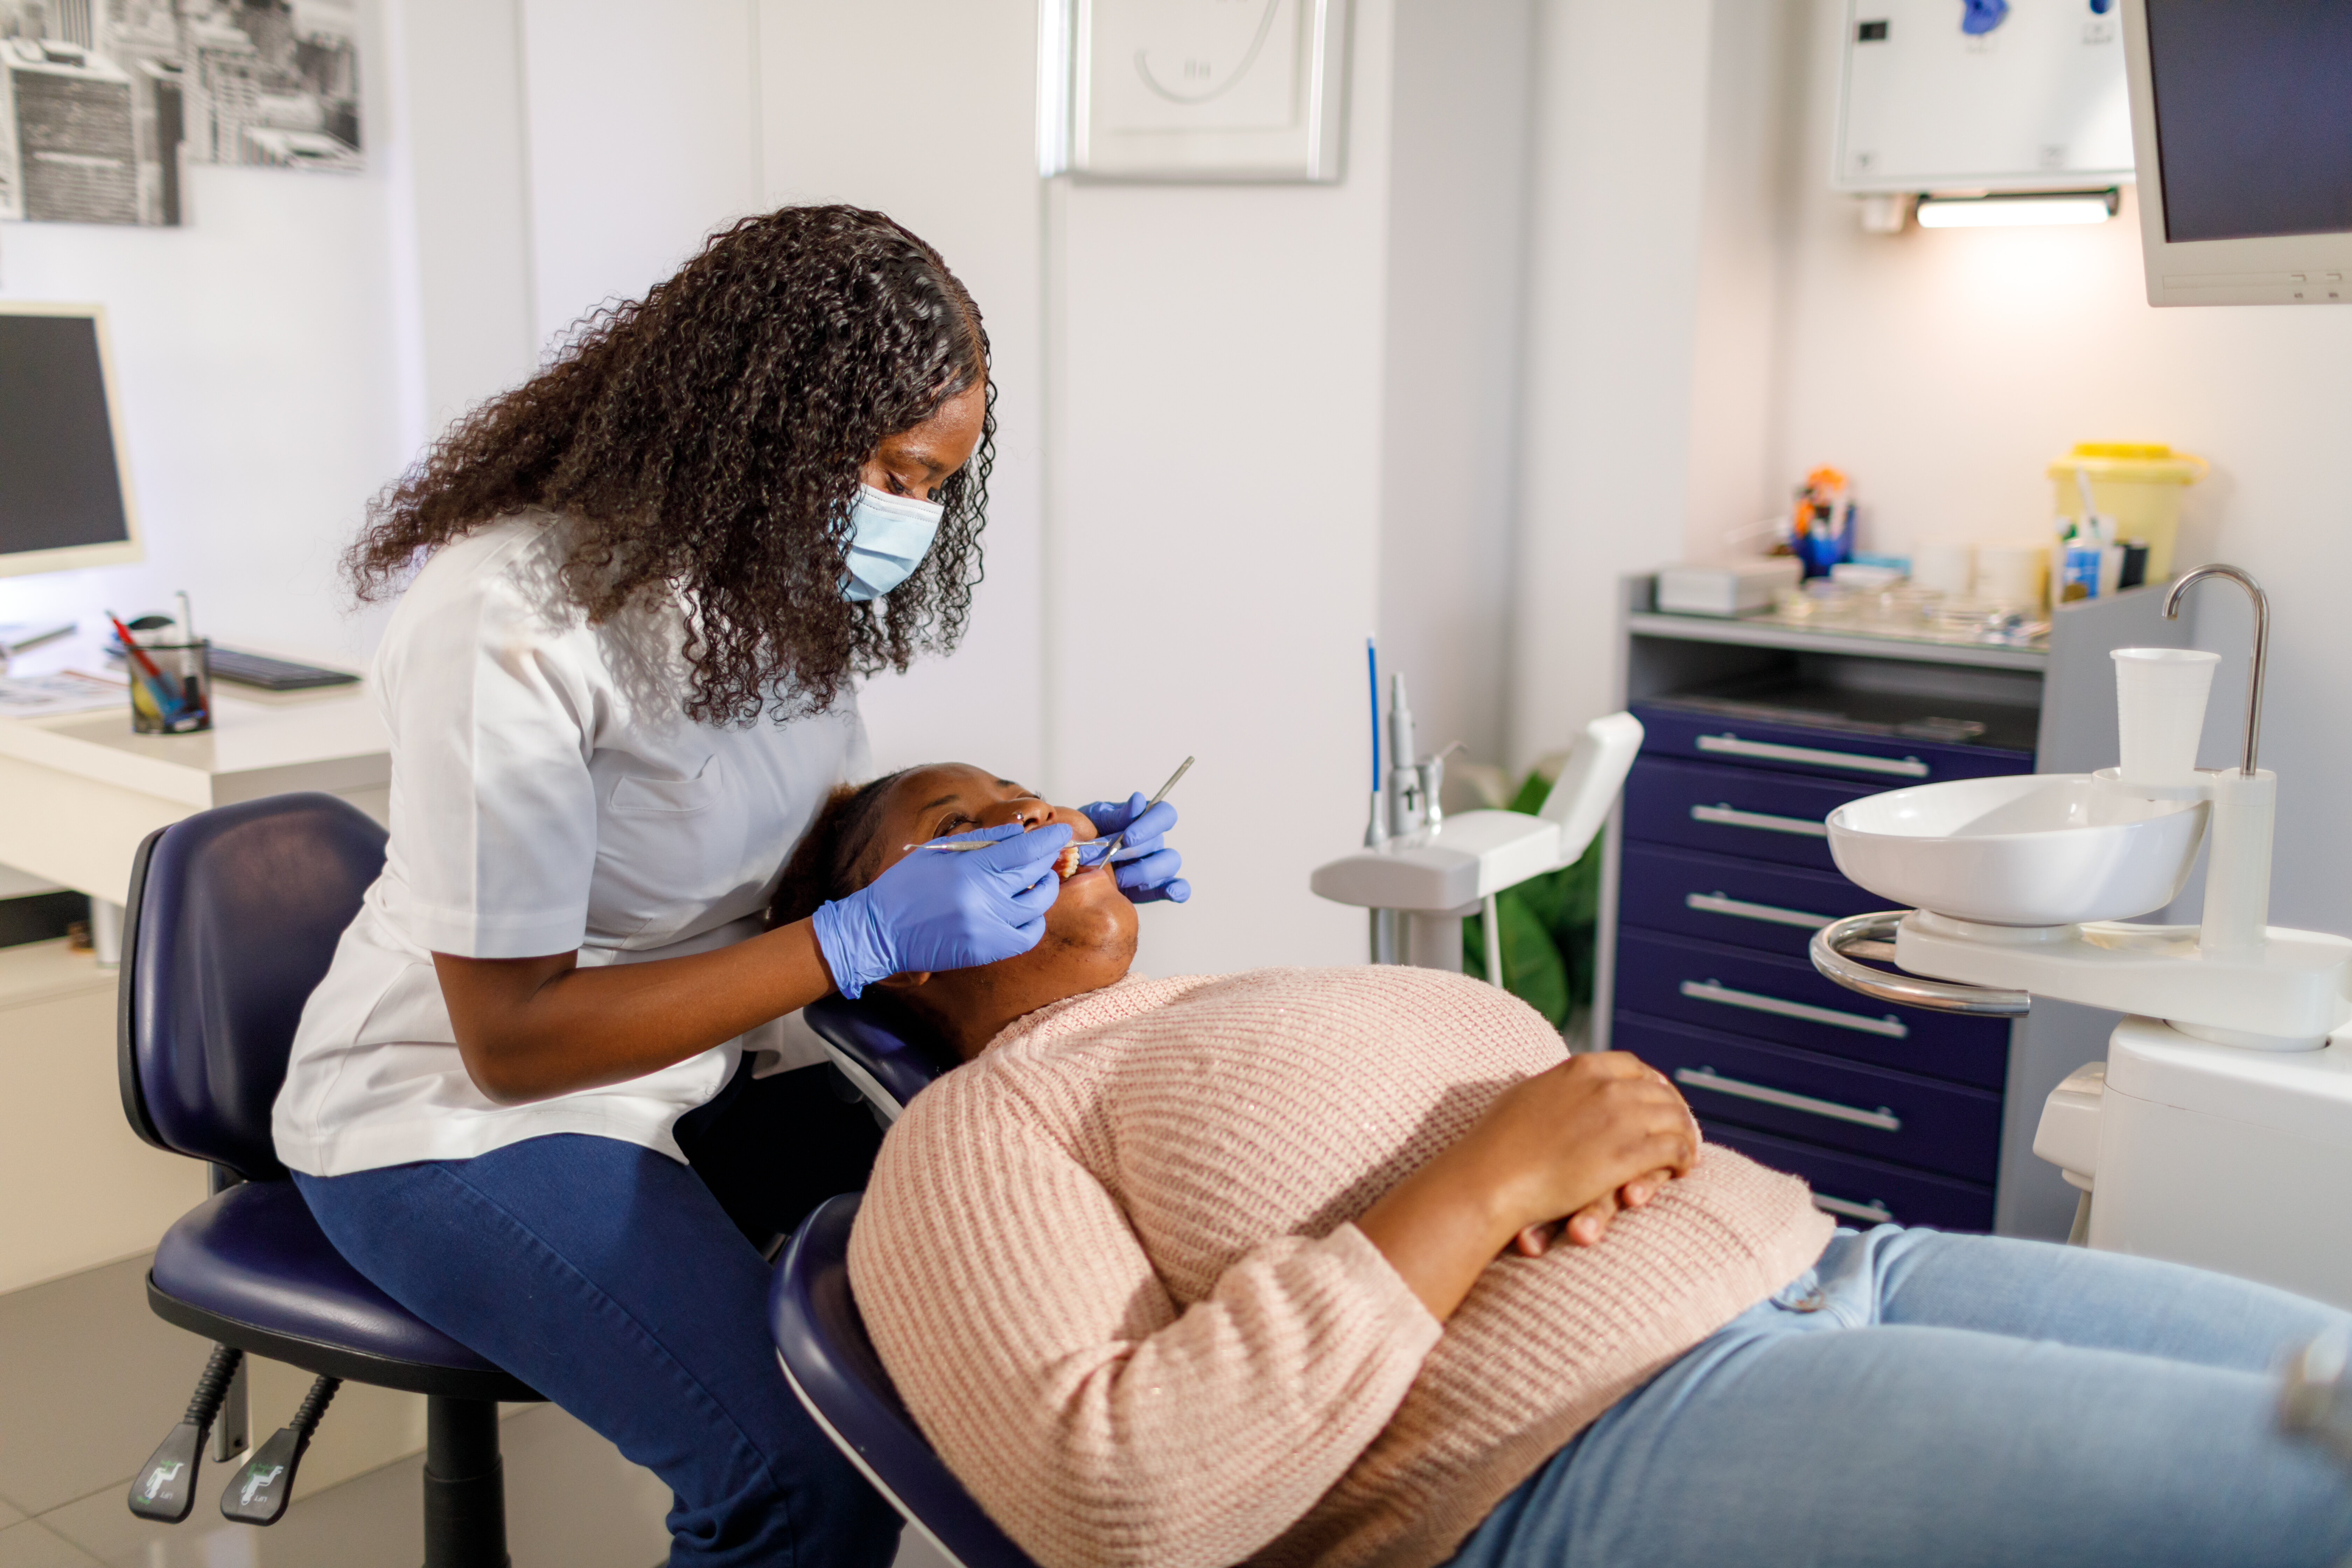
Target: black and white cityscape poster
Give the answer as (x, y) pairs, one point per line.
(104, 103)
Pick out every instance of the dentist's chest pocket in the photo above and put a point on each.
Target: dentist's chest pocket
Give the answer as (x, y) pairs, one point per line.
(670, 847)
(645, 794)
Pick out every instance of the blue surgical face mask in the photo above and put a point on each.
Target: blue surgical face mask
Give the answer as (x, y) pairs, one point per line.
(888, 537)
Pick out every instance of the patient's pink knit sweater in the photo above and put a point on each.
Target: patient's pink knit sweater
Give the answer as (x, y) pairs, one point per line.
(1110, 1265)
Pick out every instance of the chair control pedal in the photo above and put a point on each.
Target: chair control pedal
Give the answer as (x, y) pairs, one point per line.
(259, 1490)
(164, 1489)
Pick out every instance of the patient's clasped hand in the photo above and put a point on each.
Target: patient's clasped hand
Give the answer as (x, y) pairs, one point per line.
(1256, 1267)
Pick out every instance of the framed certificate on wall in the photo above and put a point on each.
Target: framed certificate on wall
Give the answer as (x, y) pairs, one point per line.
(1206, 90)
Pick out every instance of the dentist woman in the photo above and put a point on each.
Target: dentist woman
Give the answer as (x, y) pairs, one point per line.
(619, 685)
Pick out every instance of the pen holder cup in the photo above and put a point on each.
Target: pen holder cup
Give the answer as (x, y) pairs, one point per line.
(2160, 711)
(182, 702)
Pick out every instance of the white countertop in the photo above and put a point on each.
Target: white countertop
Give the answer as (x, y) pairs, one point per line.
(79, 791)
(331, 740)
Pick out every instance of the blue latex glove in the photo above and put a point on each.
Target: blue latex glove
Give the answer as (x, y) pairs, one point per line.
(940, 909)
(1145, 866)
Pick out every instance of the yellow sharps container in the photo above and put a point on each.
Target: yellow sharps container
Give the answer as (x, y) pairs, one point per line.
(2137, 483)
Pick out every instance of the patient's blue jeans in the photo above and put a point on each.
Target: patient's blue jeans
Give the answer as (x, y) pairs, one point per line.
(613, 1280)
(1934, 1401)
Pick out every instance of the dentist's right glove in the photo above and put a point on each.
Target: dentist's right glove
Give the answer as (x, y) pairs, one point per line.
(942, 909)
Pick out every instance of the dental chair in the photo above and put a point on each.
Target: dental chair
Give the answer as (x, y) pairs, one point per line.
(820, 1340)
(888, 1065)
(232, 919)
(827, 1358)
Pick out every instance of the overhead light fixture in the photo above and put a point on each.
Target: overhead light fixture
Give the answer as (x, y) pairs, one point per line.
(2018, 209)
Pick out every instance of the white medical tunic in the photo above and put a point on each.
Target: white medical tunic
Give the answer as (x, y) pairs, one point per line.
(548, 793)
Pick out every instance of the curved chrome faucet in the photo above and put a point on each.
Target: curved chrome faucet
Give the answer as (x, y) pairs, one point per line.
(2261, 646)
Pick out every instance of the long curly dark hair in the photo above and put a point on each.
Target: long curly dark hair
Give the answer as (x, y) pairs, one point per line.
(708, 438)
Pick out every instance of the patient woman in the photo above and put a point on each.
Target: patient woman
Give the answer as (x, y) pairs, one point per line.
(1271, 1266)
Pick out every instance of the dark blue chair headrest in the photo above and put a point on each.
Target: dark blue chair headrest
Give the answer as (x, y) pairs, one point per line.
(832, 1367)
(232, 920)
(890, 1062)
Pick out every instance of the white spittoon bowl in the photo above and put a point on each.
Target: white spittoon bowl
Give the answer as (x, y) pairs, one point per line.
(2030, 849)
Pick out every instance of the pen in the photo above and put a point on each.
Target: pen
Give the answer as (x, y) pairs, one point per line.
(159, 691)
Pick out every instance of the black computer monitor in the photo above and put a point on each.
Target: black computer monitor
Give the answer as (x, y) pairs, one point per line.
(65, 480)
(2241, 125)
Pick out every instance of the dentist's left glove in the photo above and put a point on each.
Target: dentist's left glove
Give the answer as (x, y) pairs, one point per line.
(944, 909)
(1145, 866)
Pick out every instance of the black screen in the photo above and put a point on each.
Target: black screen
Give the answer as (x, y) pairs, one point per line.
(58, 484)
(2254, 116)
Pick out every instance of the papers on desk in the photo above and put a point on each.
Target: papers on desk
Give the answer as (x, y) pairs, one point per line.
(67, 692)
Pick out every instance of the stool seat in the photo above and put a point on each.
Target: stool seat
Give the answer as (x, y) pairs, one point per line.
(250, 1267)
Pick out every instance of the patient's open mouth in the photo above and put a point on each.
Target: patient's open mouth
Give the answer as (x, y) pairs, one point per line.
(1088, 856)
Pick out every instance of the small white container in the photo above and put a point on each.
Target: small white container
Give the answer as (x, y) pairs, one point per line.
(1948, 565)
(1728, 588)
(2012, 573)
(2161, 696)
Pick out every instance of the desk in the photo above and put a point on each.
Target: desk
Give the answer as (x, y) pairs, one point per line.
(81, 791)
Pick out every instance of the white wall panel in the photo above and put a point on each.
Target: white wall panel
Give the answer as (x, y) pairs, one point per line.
(946, 144)
(1456, 296)
(642, 138)
(1620, 165)
(1214, 523)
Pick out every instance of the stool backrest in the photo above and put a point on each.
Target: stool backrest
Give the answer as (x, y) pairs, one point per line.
(832, 1367)
(232, 920)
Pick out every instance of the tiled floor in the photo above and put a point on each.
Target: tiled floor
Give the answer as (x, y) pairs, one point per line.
(82, 1360)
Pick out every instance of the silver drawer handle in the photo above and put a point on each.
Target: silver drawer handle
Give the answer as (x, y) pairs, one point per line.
(1772, 914)
(1874, 1212)
(1892, 1028)
(1853, 762)
(1882, 1118)
(1725, 816)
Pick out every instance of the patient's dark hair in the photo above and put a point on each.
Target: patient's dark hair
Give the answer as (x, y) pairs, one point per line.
(833, 856)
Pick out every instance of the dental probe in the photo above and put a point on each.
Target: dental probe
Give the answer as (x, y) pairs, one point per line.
(1092, 846)
(1155, 800)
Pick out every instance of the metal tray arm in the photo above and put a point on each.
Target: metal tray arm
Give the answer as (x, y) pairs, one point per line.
(1839, 947)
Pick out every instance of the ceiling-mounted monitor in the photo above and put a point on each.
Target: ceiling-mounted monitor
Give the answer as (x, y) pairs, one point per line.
(2241, 122)
(65, 476)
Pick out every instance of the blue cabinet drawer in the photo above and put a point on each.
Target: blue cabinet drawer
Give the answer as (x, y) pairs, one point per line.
(1745, 812)
(1891, 1116)
(1881, 761)
(1863, 1191)
(1769, 997)
(1776, 909)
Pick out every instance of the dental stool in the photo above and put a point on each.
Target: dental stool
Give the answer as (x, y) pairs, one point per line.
(829, 1360)
(888, 1065)
(232, 919)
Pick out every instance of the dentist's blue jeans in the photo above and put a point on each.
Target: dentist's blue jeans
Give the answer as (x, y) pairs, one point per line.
(620, 1284)
(1933, 1401)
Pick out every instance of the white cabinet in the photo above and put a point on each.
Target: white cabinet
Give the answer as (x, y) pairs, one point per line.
(2034, 101)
